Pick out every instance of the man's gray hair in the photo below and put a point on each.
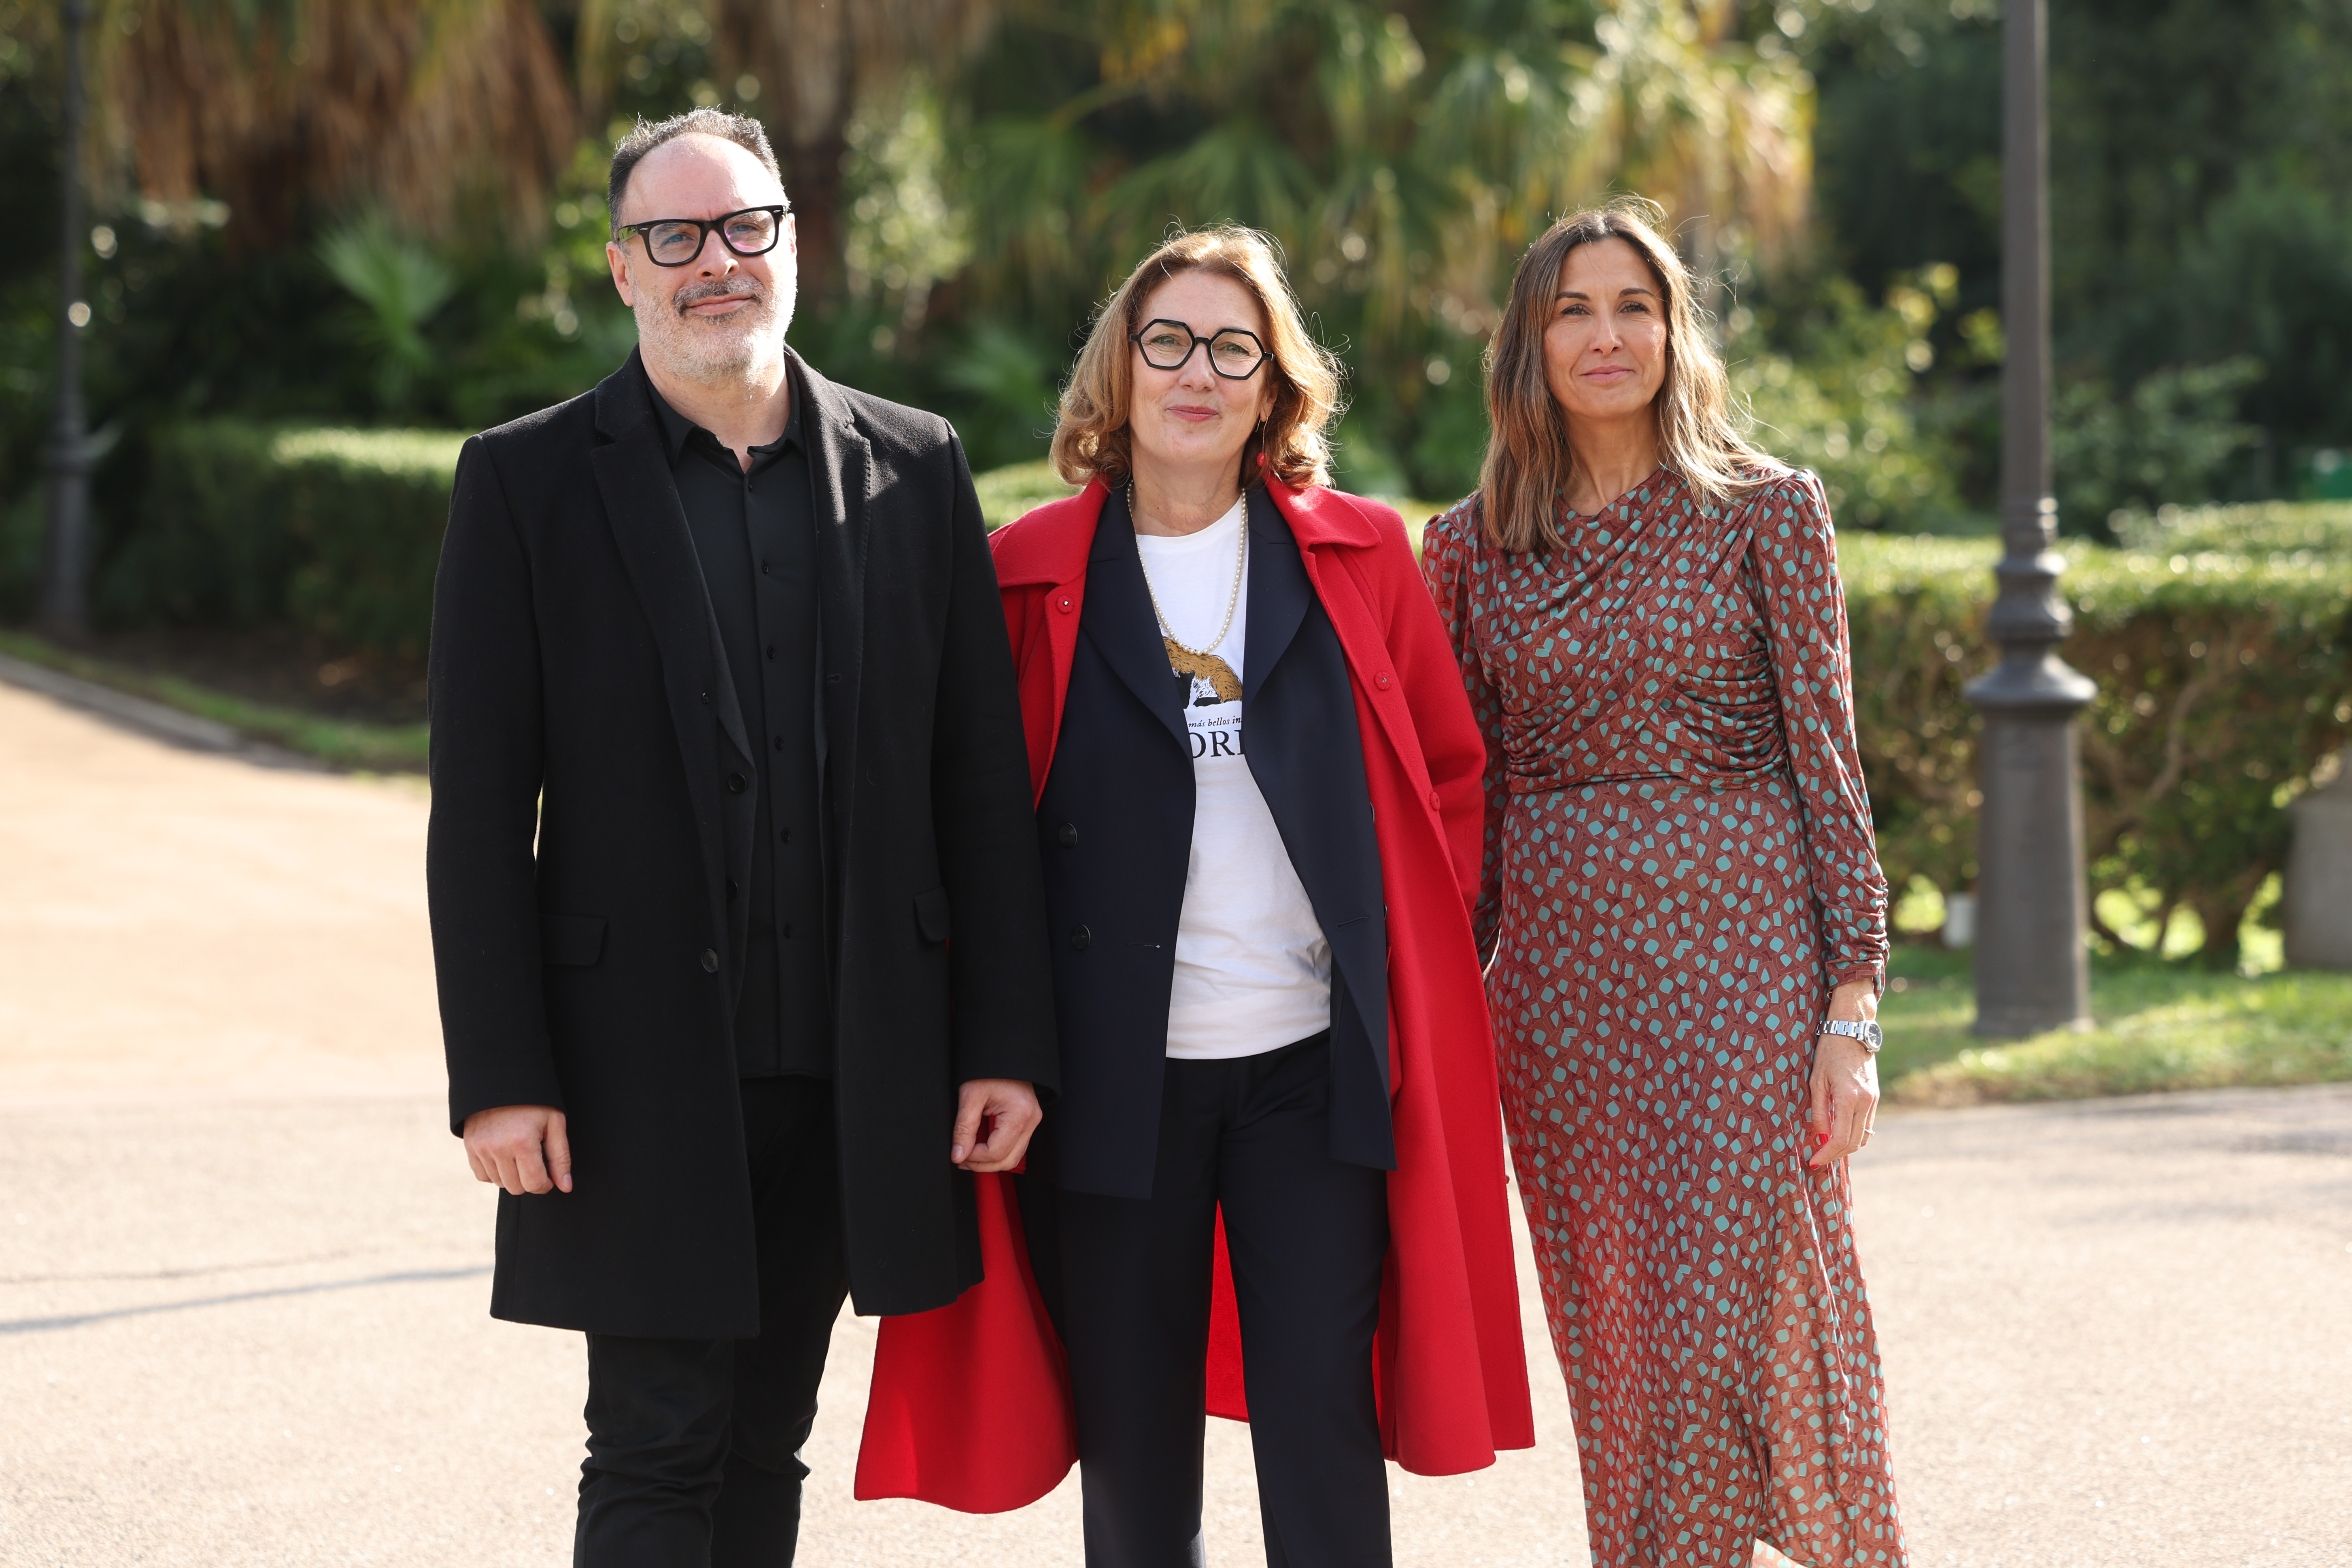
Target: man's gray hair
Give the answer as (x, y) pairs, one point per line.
(647, 134)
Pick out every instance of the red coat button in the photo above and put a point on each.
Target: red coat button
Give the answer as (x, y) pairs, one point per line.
(1062, 604)
(1381, 681)
(1434, 803)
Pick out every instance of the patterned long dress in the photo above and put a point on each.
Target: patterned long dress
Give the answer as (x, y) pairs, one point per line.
(1679, 867)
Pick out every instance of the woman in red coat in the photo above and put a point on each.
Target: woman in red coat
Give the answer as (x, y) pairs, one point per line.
(1274, 1179)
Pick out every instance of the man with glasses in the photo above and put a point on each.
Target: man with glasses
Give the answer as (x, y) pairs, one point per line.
(724, 734)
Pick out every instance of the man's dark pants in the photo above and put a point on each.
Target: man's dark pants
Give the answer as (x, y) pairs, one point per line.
(1306, 1235)
(694, 1445)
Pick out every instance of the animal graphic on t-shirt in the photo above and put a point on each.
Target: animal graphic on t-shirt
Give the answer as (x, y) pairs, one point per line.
(1213, 680)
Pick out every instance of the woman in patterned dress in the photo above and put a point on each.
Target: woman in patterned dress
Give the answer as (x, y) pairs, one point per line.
(1684, 915)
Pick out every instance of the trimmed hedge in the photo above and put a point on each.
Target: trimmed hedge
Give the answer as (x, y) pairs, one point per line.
(2221, 641)
(335, 530)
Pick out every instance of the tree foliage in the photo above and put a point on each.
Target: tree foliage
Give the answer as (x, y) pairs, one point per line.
(433, 108)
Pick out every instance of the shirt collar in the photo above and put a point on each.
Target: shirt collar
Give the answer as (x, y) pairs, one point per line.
(677, 429)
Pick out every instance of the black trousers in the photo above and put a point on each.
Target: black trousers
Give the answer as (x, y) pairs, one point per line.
(694, 1445)
(1306, 1235)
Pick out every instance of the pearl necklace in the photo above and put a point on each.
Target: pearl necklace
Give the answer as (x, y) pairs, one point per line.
(1233, 602)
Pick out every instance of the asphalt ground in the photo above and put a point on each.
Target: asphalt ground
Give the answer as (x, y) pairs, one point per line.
(243, 1271)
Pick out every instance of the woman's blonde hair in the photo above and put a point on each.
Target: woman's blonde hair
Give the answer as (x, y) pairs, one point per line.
(1529, 464)
(1091, 437)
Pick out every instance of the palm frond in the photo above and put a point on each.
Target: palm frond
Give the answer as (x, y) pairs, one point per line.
(270, 104)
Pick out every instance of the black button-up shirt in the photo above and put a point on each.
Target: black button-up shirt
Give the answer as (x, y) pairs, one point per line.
(755, 533)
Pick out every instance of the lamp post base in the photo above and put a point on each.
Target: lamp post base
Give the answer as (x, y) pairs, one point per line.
(2032, 970)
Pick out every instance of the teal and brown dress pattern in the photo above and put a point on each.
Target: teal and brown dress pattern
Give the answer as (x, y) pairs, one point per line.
(1679, 867)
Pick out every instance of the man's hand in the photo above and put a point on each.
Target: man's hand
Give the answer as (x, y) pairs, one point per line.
(1008, 1108)
(522, 1147)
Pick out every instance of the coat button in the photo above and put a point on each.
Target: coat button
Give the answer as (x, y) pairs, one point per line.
(710, 962)
(1062, 604)
(736, 785)
(1381, 681)
(1069, 836)
(1080, 937)
(1435, 802)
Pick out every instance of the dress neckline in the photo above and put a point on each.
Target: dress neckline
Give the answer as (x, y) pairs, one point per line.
(1649, 482)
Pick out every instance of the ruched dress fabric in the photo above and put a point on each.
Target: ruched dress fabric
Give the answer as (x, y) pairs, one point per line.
(1678, 868)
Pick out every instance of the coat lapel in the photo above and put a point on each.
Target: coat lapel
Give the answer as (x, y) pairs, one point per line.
(1329, 527)
(1279, 592)
(649, 524)
(1119, 621)
(841, 467)
(1040, 570)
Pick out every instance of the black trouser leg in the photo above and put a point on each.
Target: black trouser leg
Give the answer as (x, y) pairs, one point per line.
(1307, 1237)
(657, 1442)
(1135, 1291)
(694, 1445)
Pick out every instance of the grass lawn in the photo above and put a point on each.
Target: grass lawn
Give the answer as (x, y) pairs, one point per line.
(2158, 1026)
(343, 742)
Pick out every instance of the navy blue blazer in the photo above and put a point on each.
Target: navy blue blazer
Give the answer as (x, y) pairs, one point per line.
(1115, 834)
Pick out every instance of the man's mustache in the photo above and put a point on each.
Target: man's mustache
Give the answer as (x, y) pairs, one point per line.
(695, 293)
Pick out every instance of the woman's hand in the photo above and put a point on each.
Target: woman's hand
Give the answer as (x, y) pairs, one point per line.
(1845, 1079)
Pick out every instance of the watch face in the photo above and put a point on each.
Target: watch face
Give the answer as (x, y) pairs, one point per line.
(1873, 1036)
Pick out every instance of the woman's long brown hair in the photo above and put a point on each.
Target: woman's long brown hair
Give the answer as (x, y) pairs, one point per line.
(1529, 463)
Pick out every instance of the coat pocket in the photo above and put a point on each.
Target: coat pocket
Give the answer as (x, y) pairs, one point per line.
(573, 941)
(931, 914)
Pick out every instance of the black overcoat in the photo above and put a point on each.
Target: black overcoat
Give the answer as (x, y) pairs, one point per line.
(592, 796)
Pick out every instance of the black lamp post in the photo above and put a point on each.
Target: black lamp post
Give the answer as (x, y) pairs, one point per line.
(65, 587)
(2032, 969)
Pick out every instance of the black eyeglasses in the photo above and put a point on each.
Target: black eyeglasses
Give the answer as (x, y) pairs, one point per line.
(1234, 353)
(676, 241)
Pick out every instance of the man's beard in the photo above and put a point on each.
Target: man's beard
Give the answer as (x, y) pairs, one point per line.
(720, 348)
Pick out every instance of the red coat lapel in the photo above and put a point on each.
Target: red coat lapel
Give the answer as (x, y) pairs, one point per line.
(1041, 571)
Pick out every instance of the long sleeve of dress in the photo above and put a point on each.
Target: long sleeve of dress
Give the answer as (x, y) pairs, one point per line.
(1447, 564)
(1794, 562)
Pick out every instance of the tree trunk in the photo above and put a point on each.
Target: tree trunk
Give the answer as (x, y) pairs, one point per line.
(813, 179)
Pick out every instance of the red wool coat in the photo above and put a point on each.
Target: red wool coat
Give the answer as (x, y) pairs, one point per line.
(969, 1406)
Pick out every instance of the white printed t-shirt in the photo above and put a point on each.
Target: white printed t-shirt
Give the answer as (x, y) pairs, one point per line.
(1252, 969)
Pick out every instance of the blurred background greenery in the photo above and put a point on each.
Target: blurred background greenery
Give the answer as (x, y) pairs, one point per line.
(328, 236)
(386, 212)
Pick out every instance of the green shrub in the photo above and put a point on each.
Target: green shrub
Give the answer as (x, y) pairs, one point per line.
(335, 530)
(369, 508)
(210, 542)
(2224, 661)
(1832, 392)
(2172, 436)
(1006, 493)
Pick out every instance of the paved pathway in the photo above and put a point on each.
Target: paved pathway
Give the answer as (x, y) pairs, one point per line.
(242, 1272)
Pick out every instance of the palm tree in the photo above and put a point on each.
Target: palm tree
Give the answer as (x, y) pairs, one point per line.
(811, 64)
(1404, 152)
(1672, 105)
(418, 106)
(1410, 145)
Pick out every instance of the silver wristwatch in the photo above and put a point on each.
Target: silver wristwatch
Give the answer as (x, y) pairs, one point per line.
(1870, 1035)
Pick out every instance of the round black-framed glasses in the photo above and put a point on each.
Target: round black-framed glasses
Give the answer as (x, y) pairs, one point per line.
(677, 241)
(1235, 352)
